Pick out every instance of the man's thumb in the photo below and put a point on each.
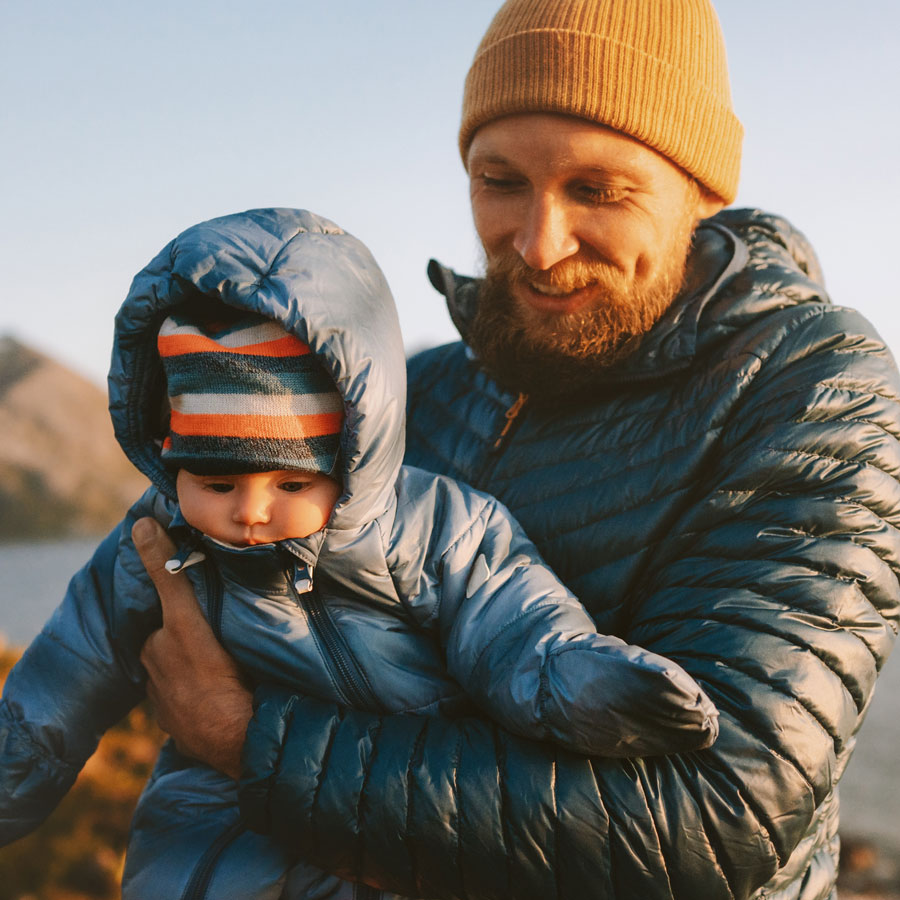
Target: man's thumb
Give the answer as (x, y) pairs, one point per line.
(175, 592)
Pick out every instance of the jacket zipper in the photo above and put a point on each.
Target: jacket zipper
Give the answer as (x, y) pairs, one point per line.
(198, 883)
(511, 415)
(214, 599)
(492, 457)
(339, 658)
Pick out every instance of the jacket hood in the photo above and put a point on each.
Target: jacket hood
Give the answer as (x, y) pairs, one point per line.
(732, 243)
(320, 284)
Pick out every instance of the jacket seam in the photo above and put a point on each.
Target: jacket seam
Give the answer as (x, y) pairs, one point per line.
(414, 760)
(766, 825)
(715, 848)
(88, 661)
(501, 631)
(276, 768)
(651, 818)
(598, 797)
(554, 793)
(621, 422)
(752, 493)
(322, 774)
(21, 729)
(850, 420)
(457, 831)
(855, 391)
(848, 500)
(724, 620)
(264, 276)
(712, 688)
(361, 801)
(777, 597)
(468, 528)
(593, 522)
(500, 755)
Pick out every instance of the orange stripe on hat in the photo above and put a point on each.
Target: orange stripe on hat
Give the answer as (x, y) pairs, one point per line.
(181, 344)
(238, 426)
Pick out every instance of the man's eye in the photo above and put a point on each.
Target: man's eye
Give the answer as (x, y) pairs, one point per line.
(597, 195)
(293, 487)
(219, 487)
(499, 184)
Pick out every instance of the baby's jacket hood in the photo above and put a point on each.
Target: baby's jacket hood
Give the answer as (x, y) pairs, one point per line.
(320, 284)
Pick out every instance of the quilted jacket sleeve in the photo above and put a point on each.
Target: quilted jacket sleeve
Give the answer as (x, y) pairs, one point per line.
(78, 677)
(777, 591)
(527, 652)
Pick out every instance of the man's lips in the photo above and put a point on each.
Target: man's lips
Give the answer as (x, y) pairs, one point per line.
(553, 299)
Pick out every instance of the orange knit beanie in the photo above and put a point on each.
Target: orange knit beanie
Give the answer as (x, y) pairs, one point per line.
(652, 69)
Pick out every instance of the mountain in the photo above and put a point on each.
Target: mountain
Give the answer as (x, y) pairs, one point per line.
(62, 472)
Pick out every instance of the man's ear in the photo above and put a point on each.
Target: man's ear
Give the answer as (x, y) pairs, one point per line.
(709, 203)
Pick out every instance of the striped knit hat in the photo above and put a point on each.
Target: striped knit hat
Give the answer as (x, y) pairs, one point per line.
(245, 396)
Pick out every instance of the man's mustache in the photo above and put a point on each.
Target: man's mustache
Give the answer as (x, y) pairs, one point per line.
(567, 275)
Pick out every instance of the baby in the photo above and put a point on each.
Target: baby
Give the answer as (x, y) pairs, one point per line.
(258, 379)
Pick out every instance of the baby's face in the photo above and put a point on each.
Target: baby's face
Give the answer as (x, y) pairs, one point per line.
(257, 508)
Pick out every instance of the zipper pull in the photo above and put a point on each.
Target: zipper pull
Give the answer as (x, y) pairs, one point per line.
(187, 556)
(303, 579)
(510, 414)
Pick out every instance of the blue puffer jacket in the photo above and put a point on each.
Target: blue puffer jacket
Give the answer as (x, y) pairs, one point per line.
(727, 496)
(417, 585)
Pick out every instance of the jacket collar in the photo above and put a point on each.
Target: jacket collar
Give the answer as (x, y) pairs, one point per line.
(671, 345)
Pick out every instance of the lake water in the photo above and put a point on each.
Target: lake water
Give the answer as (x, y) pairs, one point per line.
(33, 578)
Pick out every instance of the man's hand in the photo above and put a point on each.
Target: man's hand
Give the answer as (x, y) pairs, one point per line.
(194, 685)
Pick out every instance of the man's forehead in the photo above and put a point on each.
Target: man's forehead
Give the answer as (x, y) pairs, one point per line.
(553, 141)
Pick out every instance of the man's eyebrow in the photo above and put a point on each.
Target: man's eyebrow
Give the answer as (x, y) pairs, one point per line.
(615, 171)
(610, 170)
(487, 156)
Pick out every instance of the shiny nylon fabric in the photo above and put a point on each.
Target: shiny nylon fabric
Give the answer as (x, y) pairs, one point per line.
(272, 262)
(419, 574)
(727, 496)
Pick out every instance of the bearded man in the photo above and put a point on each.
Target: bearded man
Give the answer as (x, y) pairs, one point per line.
(701, 445)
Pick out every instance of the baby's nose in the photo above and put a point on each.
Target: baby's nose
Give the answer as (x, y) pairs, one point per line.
(252, 508)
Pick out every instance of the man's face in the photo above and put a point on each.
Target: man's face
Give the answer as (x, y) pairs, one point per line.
(257, 508)
(586, 232)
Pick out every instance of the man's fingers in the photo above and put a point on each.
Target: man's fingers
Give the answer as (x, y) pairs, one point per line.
(175, 592)
(153, 545)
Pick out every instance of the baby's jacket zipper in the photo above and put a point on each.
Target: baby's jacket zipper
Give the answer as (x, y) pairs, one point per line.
(345, 670)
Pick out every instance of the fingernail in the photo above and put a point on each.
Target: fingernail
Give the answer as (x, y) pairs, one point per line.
(144, 531)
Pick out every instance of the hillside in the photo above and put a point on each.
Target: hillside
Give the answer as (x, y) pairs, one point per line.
(61, 471)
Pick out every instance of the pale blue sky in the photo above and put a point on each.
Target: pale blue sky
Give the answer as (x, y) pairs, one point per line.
(124, 123)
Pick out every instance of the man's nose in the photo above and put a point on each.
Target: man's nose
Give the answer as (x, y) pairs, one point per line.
(545, 237)
(251, 507)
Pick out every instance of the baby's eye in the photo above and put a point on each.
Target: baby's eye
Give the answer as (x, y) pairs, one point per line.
(293, 487)
(219, 487)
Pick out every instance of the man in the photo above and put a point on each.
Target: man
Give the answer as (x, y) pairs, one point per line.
(702, 447)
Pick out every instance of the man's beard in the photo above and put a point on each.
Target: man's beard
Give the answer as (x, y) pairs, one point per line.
(552, 354)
